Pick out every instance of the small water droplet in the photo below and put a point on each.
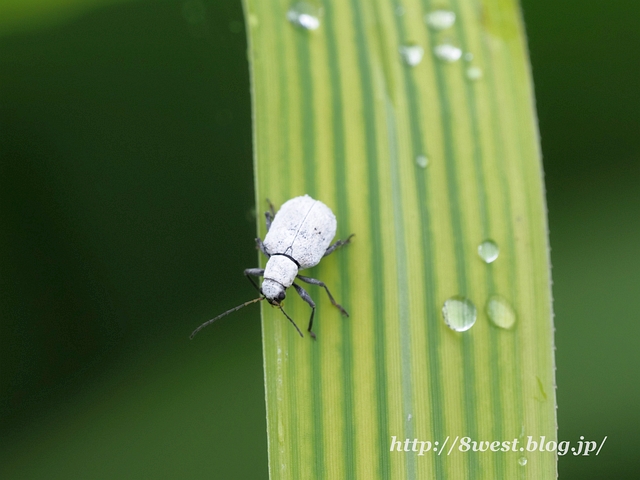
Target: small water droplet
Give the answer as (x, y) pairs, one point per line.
(468, 56)
(409, 417)
(422, 161)
(411, 54)
(459, 313)
(522, 461)
(488, 251)
(253, 20)
(303, 15)
(440, 19)
(500, 312)
(474, 73)
(447, 52)
(399, 10)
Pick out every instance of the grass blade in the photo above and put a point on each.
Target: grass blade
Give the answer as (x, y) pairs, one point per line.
(338, 115)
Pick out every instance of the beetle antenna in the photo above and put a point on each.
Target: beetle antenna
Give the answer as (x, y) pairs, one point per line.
(291, 320)
(209, 322)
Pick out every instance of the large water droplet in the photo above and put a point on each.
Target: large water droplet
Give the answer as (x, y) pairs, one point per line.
(474, 73)
(422, 161)
(440, 19)
(500, 312)
(411, 54)
(447, 52)
(459, 313)
(488, 251)
(305, 16)
(522, 461)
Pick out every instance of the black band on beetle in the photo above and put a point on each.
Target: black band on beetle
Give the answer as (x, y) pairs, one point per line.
(288, 256)
(274, 281)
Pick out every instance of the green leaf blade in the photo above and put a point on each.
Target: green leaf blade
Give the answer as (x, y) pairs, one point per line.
(338, 116)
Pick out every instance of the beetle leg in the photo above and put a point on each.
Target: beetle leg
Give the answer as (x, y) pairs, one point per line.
(338, 244)
(294, 323)
(256, 272)
(261, 247)
(313, 281)
(305, 296)
(269, 214)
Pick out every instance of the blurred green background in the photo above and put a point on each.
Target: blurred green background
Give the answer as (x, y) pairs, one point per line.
(126, 220)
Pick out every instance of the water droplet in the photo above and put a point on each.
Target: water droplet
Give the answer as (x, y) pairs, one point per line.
(411, 54)
(468, 56)
(253, 20)
(488, 251)
(303, 15)
(409, 417)
(500, 312)
(447, 52)
(474, 73)
(440, 19)
(459, 313)
(399, 10)
(422, 161)
(522, 461)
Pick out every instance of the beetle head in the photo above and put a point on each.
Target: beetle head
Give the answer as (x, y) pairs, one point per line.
(273, 291)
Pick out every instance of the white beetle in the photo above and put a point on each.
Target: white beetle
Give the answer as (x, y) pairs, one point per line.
(298, 236)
